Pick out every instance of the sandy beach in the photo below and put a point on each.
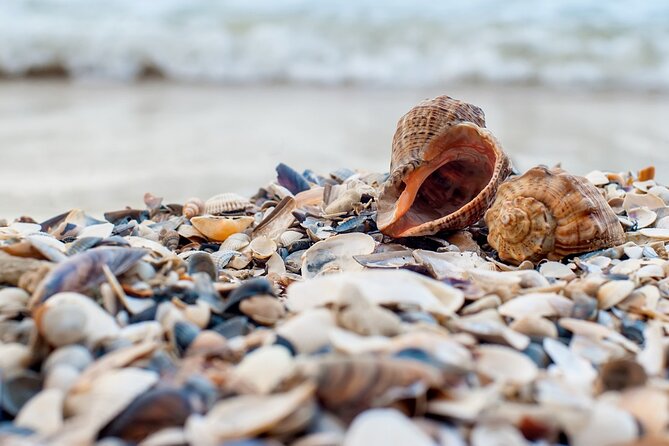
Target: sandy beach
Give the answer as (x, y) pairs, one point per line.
(100, 146)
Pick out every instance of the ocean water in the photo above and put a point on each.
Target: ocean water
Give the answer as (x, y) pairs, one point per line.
(573, 43)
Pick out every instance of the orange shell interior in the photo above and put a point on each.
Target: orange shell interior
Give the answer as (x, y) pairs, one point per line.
(444, 184)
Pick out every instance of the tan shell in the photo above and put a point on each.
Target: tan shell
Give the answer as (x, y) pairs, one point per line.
(224, 203)
(548, 213)
(349, 385)
(444, 171)
(220, 228)
(193, 207)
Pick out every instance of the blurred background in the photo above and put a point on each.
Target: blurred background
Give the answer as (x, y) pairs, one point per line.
(101, 101)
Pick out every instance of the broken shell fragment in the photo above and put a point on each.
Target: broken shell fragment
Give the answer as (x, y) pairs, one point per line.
(262, 247)
(335, 254)
(444, 171)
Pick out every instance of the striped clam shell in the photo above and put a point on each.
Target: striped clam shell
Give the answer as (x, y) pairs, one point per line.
(225, 203)
(444, 171)
(222, 258)
(236, 242)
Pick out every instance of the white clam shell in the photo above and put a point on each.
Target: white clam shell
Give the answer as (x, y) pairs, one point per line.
(556, 270)
(104, 397)
(658, 233)
(643, 216)
(262, 247)
(308, 331)
(635, 200)
(605, 424)
(505, 364)
(614, 292)
(537, 304)
(378, 287)
(597, 177)
(253, 370)
(335, 254)
(77, 317)
(245, 416)
(385, 427)
(43, 413)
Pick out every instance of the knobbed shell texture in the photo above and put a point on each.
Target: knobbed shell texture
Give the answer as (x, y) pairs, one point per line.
(444, 171)
(548, 213)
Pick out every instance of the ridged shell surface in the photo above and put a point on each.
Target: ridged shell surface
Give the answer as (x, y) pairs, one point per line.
(445, 169)
(548, 213)
(224, 203)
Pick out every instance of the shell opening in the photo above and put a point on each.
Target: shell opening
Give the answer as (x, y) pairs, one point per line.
(444, 185)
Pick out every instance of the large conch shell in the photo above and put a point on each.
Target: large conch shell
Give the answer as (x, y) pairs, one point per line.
(444, 171)
(548, 213)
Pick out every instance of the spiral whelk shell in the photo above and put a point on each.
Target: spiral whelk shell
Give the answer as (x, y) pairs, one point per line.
(548, 213)
(193, 207)
(444, 171)
(169, 238)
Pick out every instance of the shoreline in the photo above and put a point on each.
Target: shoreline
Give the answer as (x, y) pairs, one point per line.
(101, 146)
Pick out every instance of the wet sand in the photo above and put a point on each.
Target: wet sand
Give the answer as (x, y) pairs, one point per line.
(100, 146)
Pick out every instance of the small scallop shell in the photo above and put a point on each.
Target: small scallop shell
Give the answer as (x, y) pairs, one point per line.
(222, 257)
(289, 237)
(193, 207)
(444, 171)
(225, 203)
(547, 213)
(220, 228)
(236, 242)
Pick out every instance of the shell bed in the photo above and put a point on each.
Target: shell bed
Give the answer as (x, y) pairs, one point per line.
(288, 319)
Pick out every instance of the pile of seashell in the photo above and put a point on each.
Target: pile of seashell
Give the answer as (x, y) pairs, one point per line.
(443, 304)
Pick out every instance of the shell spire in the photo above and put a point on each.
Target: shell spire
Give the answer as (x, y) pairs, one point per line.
(444, 170)
(548, 213)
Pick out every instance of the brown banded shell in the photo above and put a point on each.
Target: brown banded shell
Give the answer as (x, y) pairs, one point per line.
(224, 203)
(351, 385)
(169, 238)
(444, 171)
(548, 213)
(193, 207)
